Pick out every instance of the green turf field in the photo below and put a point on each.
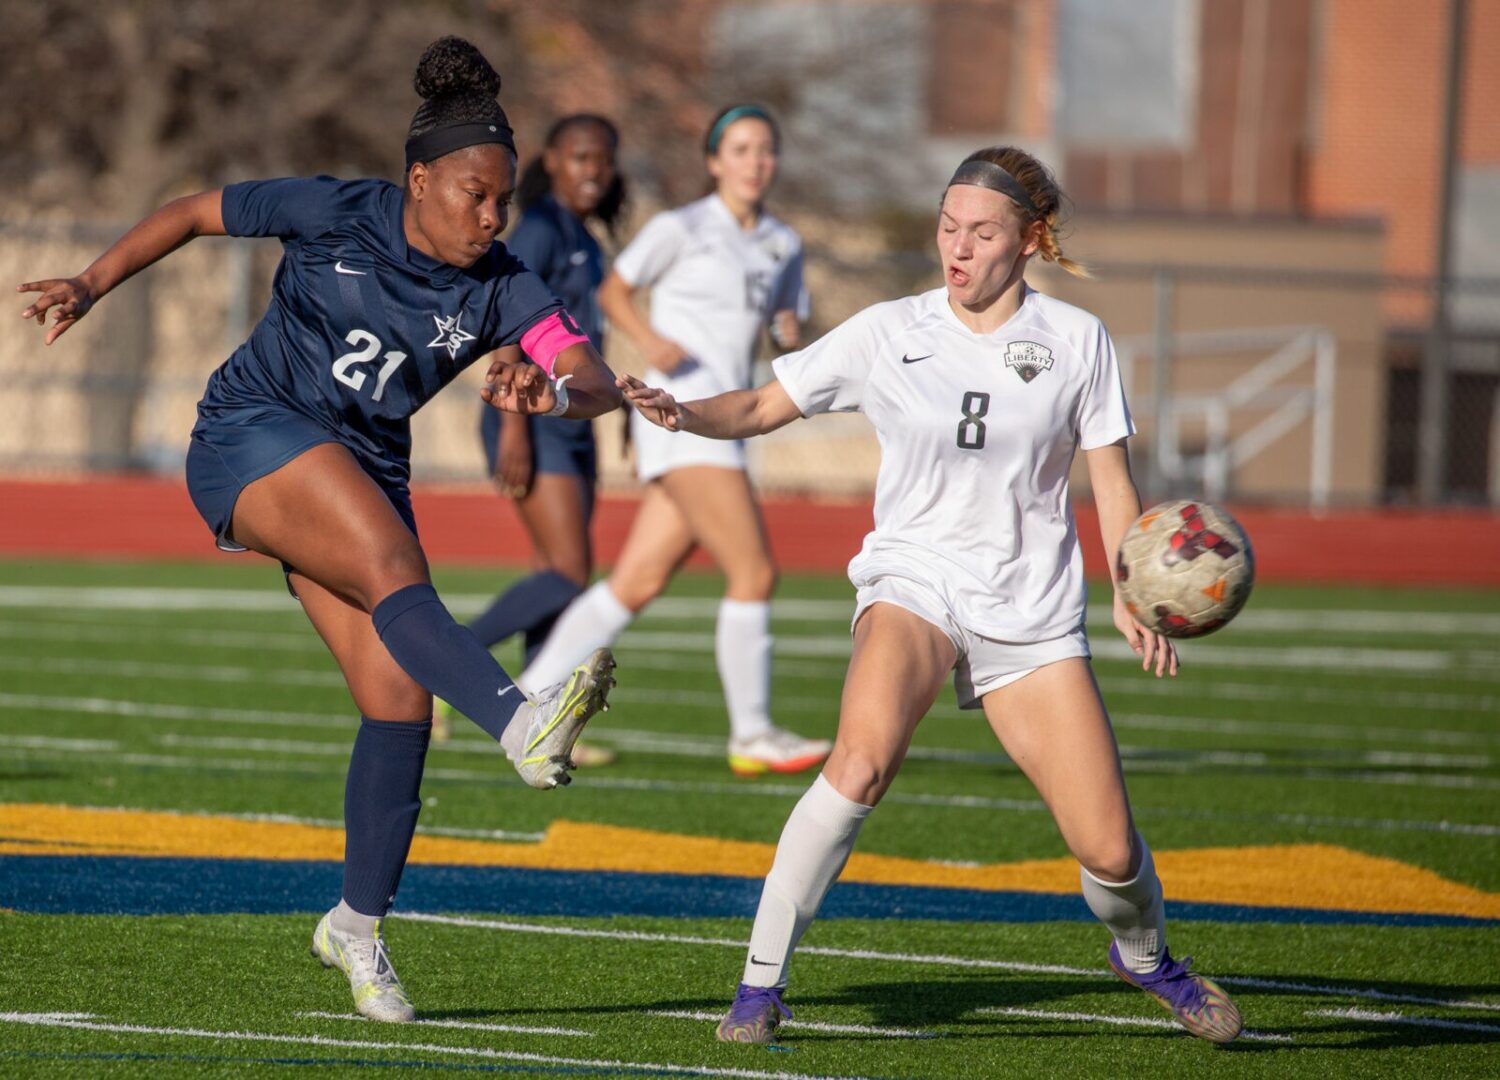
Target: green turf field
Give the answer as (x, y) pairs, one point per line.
(1364, 720)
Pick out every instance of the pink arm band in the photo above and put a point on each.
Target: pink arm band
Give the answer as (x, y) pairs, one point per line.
(548, 338)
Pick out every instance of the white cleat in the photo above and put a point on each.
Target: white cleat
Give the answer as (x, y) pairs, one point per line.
(555, 719)
(377, 991)
(776, 750)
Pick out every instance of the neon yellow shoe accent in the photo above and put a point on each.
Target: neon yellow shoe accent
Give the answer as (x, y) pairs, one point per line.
(556, 718)
(378, 993)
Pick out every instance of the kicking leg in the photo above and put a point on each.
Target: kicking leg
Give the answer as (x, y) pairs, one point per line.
(323, 515)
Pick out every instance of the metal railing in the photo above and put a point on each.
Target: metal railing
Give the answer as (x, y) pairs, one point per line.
(1263, 386)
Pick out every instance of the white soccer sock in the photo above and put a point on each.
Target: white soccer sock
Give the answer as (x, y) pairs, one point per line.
(742, 645)
(1134, 912)
(591, 622)
(814, 846)
(346, 920)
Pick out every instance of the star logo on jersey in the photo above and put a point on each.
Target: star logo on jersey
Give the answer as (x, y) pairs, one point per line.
(1028, 358)
(450, 335)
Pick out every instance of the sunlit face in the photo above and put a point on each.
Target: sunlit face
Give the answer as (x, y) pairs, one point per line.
(981, 236)
(581, 166)
(461, 201)
(744, 165)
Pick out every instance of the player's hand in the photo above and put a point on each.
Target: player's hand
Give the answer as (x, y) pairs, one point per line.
(1150, 646)
(786, 331)
(518, 387)
(665, 356)
(652, 402)
(69, 300)
(514, 464)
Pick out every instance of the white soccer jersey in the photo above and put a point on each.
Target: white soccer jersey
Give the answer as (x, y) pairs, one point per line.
(977, 434)
(713, 287)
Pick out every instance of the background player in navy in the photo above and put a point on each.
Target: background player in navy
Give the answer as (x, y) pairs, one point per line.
(384, 294)
(548, 465)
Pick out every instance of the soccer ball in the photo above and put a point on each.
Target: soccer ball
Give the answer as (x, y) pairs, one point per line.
(1184, 569)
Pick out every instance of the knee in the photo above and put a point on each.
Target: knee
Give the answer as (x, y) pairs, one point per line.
(636, 590)
(390, 570)
(1109, 858)
(859, 775)
(574, 567)
(384, 695)
(754, 582)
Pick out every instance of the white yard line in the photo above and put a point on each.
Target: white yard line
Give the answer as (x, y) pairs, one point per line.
(809, 1025)
(160, 711)
(1139, 760)
(936, 959)
(709, 699)
(85, 1022)
(640, 653)
(1254, 620)
(461, 1025)
(1118, 1021)
(1402, 1018)
(736, 790)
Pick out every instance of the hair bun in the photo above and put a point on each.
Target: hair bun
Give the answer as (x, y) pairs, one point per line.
(451, 65)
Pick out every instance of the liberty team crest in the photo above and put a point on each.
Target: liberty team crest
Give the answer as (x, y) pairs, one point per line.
(1028, 358)
(450, 334)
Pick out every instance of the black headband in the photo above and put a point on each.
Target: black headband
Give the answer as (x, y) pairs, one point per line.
(431, 145)
(987, 174)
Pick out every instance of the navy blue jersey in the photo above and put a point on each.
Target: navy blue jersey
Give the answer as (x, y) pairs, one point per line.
(362, 329)
(551, 240)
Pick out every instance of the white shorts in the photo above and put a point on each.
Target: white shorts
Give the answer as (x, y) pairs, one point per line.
(659, 451)
(984, 664)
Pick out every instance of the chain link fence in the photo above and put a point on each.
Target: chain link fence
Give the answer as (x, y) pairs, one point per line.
(1276, 385)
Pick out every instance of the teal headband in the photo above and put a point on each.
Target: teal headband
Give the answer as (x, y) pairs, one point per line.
(739, 112)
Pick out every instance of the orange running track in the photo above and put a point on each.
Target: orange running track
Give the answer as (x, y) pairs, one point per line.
(130, 517)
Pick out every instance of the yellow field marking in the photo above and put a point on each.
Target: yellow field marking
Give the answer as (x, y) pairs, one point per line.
(1280, 875)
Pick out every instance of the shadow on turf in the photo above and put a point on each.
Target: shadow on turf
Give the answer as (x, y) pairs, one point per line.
(951, 1003)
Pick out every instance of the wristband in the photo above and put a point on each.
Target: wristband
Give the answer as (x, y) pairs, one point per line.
(560, 389)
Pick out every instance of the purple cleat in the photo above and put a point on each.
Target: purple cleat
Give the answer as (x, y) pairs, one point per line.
(1196, 1001)
(755, 1015)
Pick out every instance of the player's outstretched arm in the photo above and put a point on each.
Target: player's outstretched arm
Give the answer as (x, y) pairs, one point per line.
(738, 414)
(516, 385)
(162, 232)
(1119, 504)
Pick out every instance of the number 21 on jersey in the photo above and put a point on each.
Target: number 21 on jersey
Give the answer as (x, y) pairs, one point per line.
(976, 406)
(368, 345)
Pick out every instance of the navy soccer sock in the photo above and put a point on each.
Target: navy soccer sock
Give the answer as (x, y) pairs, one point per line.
(445, 658)
(536, 637)
(381, 802)
(526, 606)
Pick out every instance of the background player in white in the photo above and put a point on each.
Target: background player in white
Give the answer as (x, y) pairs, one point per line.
(981, 392)
(719, 270)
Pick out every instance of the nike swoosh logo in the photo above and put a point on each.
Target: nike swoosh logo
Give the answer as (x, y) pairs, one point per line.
(340, 268)
(761, 963)
(913, 359)
(506, 690)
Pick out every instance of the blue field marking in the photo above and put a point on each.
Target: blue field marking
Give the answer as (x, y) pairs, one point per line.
(116, 885)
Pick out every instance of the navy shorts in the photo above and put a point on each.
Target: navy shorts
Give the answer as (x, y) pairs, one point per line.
(232, 448)
(558, 445)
